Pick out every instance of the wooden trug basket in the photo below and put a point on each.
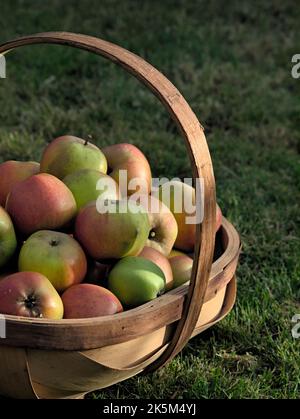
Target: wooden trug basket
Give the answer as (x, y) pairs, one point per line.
(40, 358)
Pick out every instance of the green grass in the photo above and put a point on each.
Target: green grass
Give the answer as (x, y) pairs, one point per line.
(232, 62)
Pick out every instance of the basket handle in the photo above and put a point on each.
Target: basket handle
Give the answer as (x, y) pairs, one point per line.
(198, 151)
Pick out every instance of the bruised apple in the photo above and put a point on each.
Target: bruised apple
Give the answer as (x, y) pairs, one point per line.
(56, 255)
(89, 300)
(12, 172)
(40, 202)
(30, 294)
(67, 154)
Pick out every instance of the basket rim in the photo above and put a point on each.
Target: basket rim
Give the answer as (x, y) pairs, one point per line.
(79, 334)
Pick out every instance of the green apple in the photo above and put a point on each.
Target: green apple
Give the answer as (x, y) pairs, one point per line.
(136, 280)
(88, 185)
(112, 233)
(68, 154)
(161, 261)
(8, 241)
(55, 255)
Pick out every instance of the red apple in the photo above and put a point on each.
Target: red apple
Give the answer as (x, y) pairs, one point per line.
(30, 294)
(161, 261)
(88, 300)
(40, 202)
(67, 154)
(181, 265)
(219, 218)
(12, 172)
(130, 158)
(56, 255)
(112, 235)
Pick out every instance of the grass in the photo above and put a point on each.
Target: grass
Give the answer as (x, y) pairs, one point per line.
(232, 62)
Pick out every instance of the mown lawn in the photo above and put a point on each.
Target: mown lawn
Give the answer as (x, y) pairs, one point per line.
(232, 62)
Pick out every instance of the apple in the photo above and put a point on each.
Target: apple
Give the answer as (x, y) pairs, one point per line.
(88, 300)
(40, 202)
(181, 265)
(112, 233)
(186, 232)
(136, 280)
(175, 252)
(56, 255)
(128, 157)
(30, 294)
(88, 185)
(164, 228)
(186, 236)
(161, 261)
(97, 272)
(8, 240)
(12, 172)
(67, 154)
(219, 218)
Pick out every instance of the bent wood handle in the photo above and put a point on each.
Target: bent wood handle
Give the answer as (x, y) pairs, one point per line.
(198, 151)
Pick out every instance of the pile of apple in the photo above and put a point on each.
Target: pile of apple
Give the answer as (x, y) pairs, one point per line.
(60, 257)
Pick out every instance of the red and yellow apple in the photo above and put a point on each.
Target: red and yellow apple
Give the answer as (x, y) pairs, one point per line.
(8, 240)
(175, 195)
(55, 255)
(12, 172)
(30, 294)
(40, 202)
(127, 157)
(67, 154)
(181, 265)
(163, 224)
(88, 300)
(112, 231)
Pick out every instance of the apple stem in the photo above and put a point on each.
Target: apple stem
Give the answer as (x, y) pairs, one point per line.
(90, 137)
(54, 243)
